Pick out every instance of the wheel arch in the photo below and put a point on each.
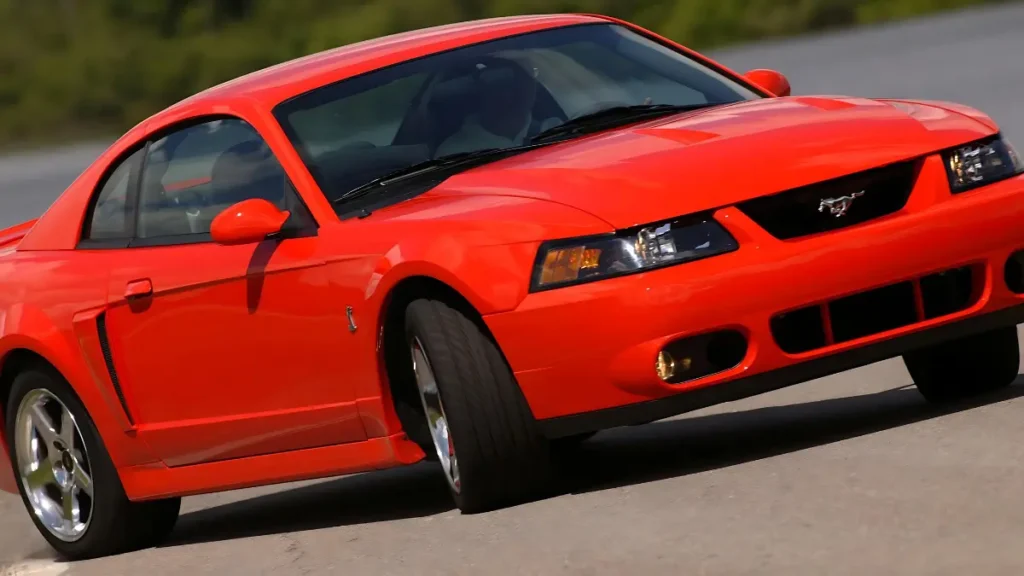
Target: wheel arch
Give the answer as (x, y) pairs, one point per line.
(398, 390)
(32, 338)
(12, 363)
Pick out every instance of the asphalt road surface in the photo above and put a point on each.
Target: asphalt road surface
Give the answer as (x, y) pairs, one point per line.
(851, 474)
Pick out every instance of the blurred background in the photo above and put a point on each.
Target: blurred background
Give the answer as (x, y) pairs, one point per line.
(73, 69)
(74, 74)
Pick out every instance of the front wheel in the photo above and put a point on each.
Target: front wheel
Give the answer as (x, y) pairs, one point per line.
(966, 367)
(480, 425)
(66, 479)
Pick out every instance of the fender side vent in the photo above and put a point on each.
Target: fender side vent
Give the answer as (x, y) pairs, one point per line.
(108, 359)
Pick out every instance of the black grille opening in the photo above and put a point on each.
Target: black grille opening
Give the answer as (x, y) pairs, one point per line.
(834, 204)
(706, 354)
(873, 311)
(1014, 272)
(799, 331)
(947, 292)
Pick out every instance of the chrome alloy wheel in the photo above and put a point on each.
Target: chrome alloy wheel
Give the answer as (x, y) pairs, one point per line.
(437, 421)
(53, 465)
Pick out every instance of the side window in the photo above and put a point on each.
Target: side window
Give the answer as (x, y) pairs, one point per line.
(110, 216)
(192, 175)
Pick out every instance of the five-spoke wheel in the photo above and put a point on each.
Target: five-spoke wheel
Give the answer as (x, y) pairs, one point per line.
(437, 421)
(67, 480)
(54, 465)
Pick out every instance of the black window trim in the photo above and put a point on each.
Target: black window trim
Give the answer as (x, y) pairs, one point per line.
(305, 224)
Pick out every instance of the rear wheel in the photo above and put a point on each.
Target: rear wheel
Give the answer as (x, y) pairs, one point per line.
(966, 367)
(66, 479)
(482, 430)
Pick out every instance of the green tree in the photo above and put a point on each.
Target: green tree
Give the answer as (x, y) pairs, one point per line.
(76, 68)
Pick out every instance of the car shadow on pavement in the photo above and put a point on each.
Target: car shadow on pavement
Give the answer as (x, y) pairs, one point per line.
(672, 448)
(399, 493)
(614, 458)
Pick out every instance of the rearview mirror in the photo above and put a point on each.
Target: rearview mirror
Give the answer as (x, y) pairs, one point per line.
(770, 80)
(248, 221)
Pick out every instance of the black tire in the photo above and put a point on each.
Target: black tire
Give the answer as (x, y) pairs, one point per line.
(966, 367)
(117, 525)
(574, 442)
(503, 459)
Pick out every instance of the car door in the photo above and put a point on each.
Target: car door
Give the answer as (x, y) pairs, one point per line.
(225, 351)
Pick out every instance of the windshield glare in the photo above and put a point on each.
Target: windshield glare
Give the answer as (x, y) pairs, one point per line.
(497, 94)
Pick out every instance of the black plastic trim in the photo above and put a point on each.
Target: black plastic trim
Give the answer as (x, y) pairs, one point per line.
(796, 213)
(649, 411)
(102, 244)
(1013, 272)
(108, 359)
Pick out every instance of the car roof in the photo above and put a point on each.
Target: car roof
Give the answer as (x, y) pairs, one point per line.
(293, 77)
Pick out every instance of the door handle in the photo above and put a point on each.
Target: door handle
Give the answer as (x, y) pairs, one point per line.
(138, 289)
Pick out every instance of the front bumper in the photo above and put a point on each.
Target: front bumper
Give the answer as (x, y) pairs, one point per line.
(584, 356)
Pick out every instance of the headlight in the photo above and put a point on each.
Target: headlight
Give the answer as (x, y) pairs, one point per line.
(981, 163)
(578, 260)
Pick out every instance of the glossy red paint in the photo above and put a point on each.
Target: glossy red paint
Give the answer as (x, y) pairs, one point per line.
(248, 221)
(244, 363)
(586, 359)
(770, 80)
(152, 481)
(10, 237)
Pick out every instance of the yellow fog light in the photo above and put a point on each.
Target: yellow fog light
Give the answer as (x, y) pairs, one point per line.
(665, 366)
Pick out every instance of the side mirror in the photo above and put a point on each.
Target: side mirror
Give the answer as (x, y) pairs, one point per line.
(248, 221)
(770, 80)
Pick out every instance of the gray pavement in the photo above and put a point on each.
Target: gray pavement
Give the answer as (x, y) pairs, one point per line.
(851, 474)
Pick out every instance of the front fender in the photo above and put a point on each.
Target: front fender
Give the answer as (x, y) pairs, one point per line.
(483, 246)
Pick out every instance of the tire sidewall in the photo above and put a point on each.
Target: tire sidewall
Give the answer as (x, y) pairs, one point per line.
(415, 331)
(107, 490)
(967, 367)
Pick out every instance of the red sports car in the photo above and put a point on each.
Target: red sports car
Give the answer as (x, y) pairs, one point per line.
(476, 244)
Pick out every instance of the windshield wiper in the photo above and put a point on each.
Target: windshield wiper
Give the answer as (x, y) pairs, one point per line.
(429, 166)
(608, 117)
(593, 121)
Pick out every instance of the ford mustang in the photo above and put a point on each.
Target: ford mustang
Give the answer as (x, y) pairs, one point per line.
(478, 244)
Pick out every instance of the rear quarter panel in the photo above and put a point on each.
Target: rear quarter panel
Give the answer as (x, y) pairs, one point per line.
(48, 305)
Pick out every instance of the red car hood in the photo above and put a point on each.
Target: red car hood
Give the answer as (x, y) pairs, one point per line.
(702, 160)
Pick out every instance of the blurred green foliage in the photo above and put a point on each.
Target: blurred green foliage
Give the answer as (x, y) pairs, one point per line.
(77, 68)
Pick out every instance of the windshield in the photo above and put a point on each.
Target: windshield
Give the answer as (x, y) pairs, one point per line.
(492, 95)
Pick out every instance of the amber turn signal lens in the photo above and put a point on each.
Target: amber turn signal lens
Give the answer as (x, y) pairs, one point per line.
(565, 265)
